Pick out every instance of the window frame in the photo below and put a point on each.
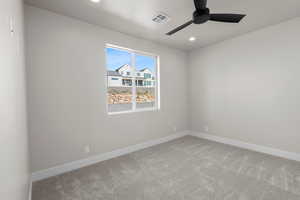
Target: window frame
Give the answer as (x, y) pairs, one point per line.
(134, 86)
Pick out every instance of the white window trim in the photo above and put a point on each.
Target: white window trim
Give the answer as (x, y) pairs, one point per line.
(157, 84)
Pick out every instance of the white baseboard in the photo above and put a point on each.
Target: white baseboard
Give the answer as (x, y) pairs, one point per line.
(244, 145)
(43, 174)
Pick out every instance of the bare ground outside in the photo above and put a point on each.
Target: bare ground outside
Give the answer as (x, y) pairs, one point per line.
(120, 98)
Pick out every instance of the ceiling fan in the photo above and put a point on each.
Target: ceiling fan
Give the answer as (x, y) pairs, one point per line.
(202, 15)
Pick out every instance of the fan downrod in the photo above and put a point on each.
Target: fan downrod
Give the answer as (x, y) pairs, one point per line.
(201, 16)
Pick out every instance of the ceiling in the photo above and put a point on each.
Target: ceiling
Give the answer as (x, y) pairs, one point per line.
(133, 17)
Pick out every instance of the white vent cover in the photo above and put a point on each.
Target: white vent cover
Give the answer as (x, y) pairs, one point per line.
(161, 18)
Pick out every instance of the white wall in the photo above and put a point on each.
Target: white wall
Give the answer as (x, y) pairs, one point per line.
(248, 88)
(114, 83)
(67, 94)
(14, 170)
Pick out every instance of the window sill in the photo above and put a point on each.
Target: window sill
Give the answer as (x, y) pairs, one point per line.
(134, 111)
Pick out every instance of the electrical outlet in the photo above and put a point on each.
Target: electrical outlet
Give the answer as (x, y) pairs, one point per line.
(87, 149)
(206, 129)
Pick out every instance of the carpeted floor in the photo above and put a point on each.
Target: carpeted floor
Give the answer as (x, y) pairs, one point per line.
(188, 168)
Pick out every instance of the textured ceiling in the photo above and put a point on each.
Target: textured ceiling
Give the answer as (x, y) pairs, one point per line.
(133, 17)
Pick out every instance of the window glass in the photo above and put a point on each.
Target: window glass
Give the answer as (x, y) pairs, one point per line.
(119, 89)
(145, 92)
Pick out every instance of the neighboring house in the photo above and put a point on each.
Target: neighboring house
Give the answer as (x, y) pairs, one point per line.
(114, 79)
(124, 76)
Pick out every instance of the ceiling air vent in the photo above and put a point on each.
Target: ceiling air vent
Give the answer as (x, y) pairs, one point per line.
(161, 18)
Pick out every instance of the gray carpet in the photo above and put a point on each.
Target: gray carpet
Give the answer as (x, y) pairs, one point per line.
(188, 168)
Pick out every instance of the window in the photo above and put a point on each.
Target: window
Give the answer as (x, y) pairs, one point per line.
(137, 86)
(147, 75)
(127, 82)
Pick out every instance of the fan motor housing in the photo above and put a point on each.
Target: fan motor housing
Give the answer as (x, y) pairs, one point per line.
(201, 16)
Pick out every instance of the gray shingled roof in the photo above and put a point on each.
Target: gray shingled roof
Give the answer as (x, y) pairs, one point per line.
(113, 73)
(116, 73)
(144, 69)
(122, 67)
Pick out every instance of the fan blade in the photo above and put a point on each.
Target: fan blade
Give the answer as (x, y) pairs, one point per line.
(200, 4)
(229, 18)
(180, 28)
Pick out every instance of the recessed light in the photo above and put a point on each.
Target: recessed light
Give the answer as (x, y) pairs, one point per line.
(192, 39)
(95, 1)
